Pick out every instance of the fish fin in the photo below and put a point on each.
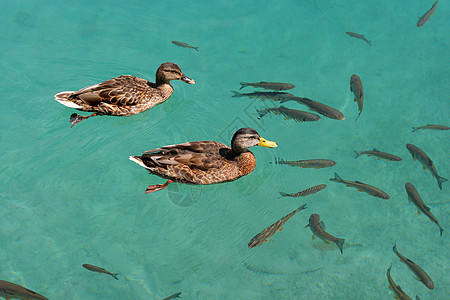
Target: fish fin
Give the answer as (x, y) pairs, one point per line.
(430, 162)
(360, 190)
(359, 182)
(307, 225)
(348, 185)
(322, 224)
(389, 287)
(424, 168)
(440, 180)
(336, 178)
(281, 228)
(396, 297)
(358, 153)
(378, 158)
(355, 100)
(418, 212)
(427, 208)
(236, 94)
(313, 237)
(115, 275)
(326, 242)
(376, 150)
(340, 244)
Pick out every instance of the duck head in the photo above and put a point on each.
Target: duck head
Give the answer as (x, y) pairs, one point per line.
(247, 137)
(169, 71)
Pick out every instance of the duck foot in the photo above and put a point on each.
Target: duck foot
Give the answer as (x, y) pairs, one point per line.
(76, 118)
(157, 187)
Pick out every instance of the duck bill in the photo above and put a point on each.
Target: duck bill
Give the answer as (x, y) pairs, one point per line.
(265, 143)
(187, 80)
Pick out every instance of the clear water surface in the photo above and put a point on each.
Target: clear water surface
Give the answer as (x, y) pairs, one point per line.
(70, 196)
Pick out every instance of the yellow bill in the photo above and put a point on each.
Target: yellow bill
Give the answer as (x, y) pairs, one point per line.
(265, 143)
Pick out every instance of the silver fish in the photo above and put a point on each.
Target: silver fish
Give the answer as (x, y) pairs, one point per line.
(307, 163)
(176, 295)
(276, 96)
(100, 270)
(297, 115)
(378, 153)
(318, 229)
(427, 15)
(359, 36)
(426, 162)
(318, 107)
(357, 89)
(308, 191)
(184, 45)
(276, 86)
(362, 187)
(10, 290)
(264, 235)
(415, 198)
(431, 127)
(418, 271)
(396, 288)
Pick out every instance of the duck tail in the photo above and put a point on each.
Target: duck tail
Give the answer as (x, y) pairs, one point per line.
(243, 85)
(138, 160)
(63, 98)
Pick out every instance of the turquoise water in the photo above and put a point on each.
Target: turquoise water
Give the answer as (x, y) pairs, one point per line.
(70, 196)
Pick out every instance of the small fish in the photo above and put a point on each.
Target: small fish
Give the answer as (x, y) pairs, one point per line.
(427, 15)
(276, 96)
(9, 290)
(359, 36)
(415, 198)
(100, 270)
(426, 162)
(357, 89)
(276, 86)
(378, 153)
(307, 163)
(396, 288)
(362, 187)
(318, 107)
(418, 271)
(184, 45)
(308, 191)
(318, 229)
(431, 127)
(264, 235)
(176, 295)
(297, 115)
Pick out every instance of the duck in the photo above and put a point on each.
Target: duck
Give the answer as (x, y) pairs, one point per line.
(203, 162)
(124, 95)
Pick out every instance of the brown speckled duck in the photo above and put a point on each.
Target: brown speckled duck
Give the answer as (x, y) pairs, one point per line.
(125, 95)
(203, 162)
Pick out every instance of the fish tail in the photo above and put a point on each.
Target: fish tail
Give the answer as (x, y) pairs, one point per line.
(196, 48)
(395, 248)
(358, 116)
(414, 129)
(336, 178)
(440, 229)
(369, 42)
(115, 275)
(340, 244)
(236, 94)
(440, 180)
(279, 161)
(358, 153)
(243, 85)
(302, 207)
(283, 194)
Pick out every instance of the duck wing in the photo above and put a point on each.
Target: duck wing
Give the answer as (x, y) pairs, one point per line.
(124, 90)
(203, 155)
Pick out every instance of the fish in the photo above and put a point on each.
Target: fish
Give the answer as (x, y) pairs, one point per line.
(100, 270)
(426, 162)
(362, 187)
(357, 89)
(297, 115)
(359, 36)
(318, 107)
(276, 96)
(264, 235)
(396, 288)
(415, 198)
(184, 45)
(176, 295)
(432, 127)
(378, 153)
(276, 86)
(307, 163)
(418, 271)
(427, 15)
(308, 191)
(318, 229)
(9, 290)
